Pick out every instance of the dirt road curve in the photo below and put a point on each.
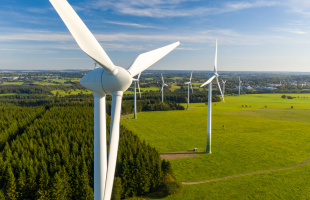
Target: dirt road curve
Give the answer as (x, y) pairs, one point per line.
(247, 174)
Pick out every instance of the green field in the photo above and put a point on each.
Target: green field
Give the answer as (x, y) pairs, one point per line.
(266, 134)
(12, 83)
(8, 94)
(72, 92)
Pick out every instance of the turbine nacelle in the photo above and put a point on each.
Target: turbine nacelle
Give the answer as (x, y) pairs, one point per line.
(103, 83)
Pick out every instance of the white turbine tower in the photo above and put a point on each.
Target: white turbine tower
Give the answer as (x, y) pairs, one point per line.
(189, 83)
(135, 95)
(108, 80)
(224, 82)
(212, 75)
(162, 88)
(239, 85)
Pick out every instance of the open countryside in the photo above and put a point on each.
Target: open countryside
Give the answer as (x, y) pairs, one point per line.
(156, 99)
(259, 139)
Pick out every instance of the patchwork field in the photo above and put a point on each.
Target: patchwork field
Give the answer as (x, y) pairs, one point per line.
(261, 132)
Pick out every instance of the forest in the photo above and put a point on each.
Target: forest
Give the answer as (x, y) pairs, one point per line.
(49, 155)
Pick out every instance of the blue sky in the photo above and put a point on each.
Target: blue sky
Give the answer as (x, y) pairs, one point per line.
(252, 35)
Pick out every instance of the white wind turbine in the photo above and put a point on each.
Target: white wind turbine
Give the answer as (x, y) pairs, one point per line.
(162, 88)
(239, 85)
(223, 82)
(189, 83)
(212, 75)
(108, 80)
(136, 81)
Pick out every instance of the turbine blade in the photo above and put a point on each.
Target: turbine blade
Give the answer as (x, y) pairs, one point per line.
(208, 81)
(162, 88)
(190, 79)
(217, 80)
(82, 35)
(139, 76)
(114, 140)
(145, 60)
(162, 78)
(215, 60)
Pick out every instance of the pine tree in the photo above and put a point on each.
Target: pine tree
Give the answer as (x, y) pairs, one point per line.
(10, 188)
(85, 190)
(2, 196)
(57, 188)
(21, 183)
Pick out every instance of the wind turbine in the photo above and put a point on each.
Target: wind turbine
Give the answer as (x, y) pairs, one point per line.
(239, 85)
(224, 82)
(189, 83)
(135, 96)
(162, 88)
(108, 80)
(212, 75)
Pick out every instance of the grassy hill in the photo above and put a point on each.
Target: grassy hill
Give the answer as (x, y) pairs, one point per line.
(262, 132)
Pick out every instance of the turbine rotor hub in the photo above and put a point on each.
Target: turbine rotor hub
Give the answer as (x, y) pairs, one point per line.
(101, 82)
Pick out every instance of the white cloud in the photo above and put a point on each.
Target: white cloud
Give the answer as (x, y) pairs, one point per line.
(131, 24)
(298, 6)
(173, 8)
(295, 31)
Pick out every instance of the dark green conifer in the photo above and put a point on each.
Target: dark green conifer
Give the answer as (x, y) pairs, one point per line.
(10, 188)
(56, 191)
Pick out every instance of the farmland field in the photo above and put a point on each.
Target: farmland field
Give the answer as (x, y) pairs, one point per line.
(13, 83)
(72, 92)
(261, 132)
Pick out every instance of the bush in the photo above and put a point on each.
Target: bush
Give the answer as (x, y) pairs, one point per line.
(173, 188)
(168, 179)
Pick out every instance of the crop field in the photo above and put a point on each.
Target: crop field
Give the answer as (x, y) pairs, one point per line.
(8, 94)
(262, 131)
(70, 92)
(13, 83)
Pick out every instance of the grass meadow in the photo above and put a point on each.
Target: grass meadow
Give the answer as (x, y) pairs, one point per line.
(12, 83)
(266, 134)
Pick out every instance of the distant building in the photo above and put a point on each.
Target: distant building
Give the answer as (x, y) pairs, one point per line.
(265, 88)
(244, 87)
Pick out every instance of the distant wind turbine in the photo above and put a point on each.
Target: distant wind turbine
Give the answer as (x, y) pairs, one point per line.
(106, 80)
(212, 75)
(239, 85)
(224, 82)
(162, 88)
(136, 81)
(189, 83)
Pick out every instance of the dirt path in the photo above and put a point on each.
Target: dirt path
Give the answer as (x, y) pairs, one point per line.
(179, 154)
(247, 174)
